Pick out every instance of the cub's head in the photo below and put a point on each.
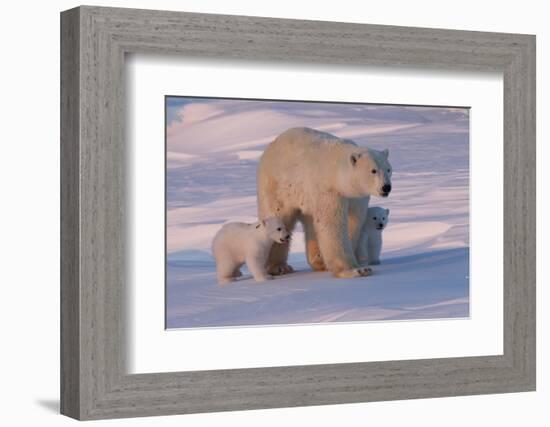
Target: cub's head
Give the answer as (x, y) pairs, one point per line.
(369, 173)
(377, 218)
(276, 230)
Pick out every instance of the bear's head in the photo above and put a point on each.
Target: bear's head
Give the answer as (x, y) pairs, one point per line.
(276, 230)
(377, 218)
(367, 173)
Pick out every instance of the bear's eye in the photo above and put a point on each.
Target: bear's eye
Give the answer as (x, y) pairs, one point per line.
(373, 171)
(383, 219)
(389, 170)
(374, 218)
(279, 229)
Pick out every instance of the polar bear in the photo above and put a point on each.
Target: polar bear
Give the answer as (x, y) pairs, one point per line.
(313, 177)
(370, 240)
(238, 242)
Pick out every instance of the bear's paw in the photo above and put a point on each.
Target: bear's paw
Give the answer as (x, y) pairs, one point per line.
(354, 272)
(280, 269)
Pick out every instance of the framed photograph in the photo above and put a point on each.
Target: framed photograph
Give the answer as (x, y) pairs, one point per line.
(253, 199)
(262, 213)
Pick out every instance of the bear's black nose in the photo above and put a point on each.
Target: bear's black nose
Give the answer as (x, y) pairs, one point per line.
(386, 188)
(380, 225)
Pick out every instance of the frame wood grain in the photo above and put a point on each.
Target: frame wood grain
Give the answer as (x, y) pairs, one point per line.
(94, 381)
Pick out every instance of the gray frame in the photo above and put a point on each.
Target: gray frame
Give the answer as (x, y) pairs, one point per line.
(94, 383)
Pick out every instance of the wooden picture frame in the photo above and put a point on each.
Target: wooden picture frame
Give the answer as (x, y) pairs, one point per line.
(94, 382)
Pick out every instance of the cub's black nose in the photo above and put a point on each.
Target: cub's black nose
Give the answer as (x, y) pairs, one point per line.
(386, 188)
(380, 225)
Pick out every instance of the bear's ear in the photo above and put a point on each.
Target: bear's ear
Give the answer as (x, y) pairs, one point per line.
(354, 157)
(386, 153)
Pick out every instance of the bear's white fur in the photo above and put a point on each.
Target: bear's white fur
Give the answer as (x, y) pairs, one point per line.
(238, 242)
(370, 242)
(320, 180)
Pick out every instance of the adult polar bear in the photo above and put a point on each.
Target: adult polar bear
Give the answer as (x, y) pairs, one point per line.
(325, 182)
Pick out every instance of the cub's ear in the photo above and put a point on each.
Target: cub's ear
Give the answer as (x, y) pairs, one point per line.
(354, 157)
(387, 211)
(386, 153)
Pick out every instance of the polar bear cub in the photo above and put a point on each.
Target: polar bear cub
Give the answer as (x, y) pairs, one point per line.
(376, 221)
(238, 243)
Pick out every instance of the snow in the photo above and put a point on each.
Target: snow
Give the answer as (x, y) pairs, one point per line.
(213, 150)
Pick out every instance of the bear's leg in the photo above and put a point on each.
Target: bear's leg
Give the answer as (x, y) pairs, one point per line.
(256, 266)
(225, 269)
(361, 253)
(332, 231)
(277, 260)
(278, 255)
(357, 216)
(313, 253)
(374, 248)
(268, 205)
